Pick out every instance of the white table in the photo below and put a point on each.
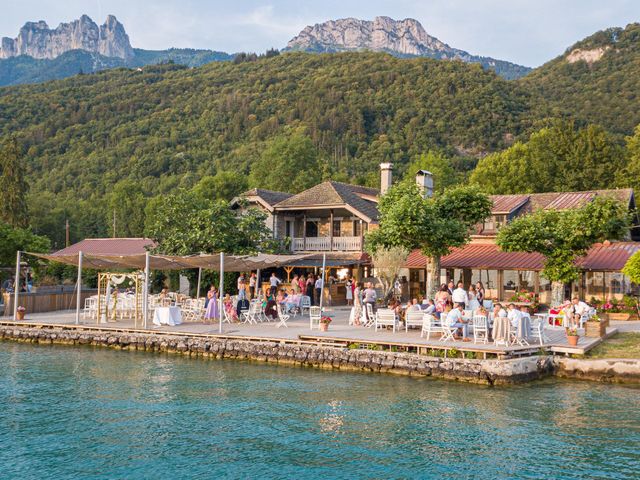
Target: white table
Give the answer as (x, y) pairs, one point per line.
(167, 316)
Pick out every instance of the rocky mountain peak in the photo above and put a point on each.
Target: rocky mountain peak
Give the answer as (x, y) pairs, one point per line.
(404, 38)
(37, 40)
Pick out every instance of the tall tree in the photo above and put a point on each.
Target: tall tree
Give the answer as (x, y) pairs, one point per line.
(434, 225)
(13, 187)
(289, 163)
(563, 236)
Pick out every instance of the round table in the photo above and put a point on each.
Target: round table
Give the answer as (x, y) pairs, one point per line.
(167, 316)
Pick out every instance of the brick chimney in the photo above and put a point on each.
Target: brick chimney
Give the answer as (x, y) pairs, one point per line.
(386, 170)
(424, 179)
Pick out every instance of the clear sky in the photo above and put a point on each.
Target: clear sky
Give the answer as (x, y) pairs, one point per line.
(528, 32)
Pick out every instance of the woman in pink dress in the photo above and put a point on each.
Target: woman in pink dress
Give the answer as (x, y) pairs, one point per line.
(213, 310)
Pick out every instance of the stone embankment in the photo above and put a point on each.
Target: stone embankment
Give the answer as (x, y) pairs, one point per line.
(488, 372)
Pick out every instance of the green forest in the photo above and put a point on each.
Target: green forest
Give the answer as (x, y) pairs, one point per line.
(115, 145)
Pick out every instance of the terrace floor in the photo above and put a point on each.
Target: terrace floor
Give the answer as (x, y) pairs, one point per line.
(340, 334)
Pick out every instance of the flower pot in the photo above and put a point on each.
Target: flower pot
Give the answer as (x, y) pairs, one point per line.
(595, 329)
(573, 340)
(20, 314)
(324, 327)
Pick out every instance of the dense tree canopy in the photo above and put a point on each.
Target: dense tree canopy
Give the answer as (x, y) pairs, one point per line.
(13, 187)
(557, 158)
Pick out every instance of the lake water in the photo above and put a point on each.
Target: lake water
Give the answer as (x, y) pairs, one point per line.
(74, 412)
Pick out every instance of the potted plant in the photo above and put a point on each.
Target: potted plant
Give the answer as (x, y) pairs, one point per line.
(595, 327)
(572, 337)
(20, 312)
(324, 323)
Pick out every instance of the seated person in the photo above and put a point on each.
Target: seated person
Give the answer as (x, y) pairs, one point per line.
(291, 301)
(413, 305)
(454, 319)
(429, 307)
(514, 315)
(270, 309)
(230, 308)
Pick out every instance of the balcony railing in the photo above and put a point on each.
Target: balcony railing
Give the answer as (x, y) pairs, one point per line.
(323, 244)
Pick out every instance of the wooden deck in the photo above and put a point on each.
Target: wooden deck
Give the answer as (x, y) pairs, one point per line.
(340, 334)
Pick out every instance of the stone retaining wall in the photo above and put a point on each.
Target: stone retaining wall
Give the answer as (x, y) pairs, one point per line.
(610, 370)
(490, 372)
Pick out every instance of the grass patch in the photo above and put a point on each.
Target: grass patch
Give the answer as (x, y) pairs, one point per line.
(621, 345)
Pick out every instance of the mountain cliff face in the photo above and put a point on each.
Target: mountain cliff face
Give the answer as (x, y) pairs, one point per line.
(398, 37)
(37, 40)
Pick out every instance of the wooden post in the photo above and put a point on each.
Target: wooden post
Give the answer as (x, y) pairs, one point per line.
(221, 291)
(16, 287)
(324, 265)
(199, 280)
(361, 236)
(257, 287)
(500, 279)
(288, 270)
(145, 293)
(304, 233)
(331, 230)
(79, 294)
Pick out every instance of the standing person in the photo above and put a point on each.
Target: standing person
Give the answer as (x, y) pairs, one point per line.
(357, 304)
(309, 288)
(441, 300)
(302, 282)
(213, 311)
(318, 286)
(274, 282)
(460, 296)
(295, 285)
(242, 289)
(451, 287)
(349, 291)
(473, 299)
(370, 297)
(480, 293)
(253, 283)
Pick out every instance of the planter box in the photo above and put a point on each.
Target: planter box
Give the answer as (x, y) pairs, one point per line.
(595, 329)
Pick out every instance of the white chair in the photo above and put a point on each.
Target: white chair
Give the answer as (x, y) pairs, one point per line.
(430, 325)
(90, 307)
(371, 318)
(315, 313)
(480, 329)
(305, 304)
(448, 331)
(537, 329)
(413, 318)
(385, 318)
(282, 317)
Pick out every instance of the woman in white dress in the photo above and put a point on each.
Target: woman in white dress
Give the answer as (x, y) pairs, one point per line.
(349, 287)
(473, 303)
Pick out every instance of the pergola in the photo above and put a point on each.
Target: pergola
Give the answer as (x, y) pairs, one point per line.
(148, 261)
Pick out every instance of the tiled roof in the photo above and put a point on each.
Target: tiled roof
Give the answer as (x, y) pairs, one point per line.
(505, 204)
(333, 194)
(608, 256)
(269, 196)
(602, 256)
(109, 246)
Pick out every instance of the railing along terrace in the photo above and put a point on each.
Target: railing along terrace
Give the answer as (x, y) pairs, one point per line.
(323, 244)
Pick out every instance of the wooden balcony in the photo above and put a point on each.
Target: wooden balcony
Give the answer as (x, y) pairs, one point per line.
(325, 244)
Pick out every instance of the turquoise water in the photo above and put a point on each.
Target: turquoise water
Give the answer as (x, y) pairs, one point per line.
(70, 412)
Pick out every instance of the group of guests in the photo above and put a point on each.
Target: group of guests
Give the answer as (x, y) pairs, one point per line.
(450, 295)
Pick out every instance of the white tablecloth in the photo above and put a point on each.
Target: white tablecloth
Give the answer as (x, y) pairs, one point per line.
(167, 316)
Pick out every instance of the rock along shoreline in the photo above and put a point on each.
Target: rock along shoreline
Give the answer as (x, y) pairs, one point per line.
(487, 372)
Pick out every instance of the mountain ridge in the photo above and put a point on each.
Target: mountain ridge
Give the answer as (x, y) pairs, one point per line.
(402, 38)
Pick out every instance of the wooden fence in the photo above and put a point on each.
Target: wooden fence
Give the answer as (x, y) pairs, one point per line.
(45, 301)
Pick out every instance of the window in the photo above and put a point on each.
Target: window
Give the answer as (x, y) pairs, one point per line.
(288, 228)
(312, 228)
(595, 284)
(336, 227)
(357, 228)
(510, 282)
(494, 222)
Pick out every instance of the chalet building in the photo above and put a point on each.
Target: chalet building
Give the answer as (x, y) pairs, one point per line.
(333, 217)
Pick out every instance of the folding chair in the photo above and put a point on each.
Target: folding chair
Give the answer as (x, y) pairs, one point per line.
(315, 313)
(371, 318)
(283, 317)
(448, 332)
